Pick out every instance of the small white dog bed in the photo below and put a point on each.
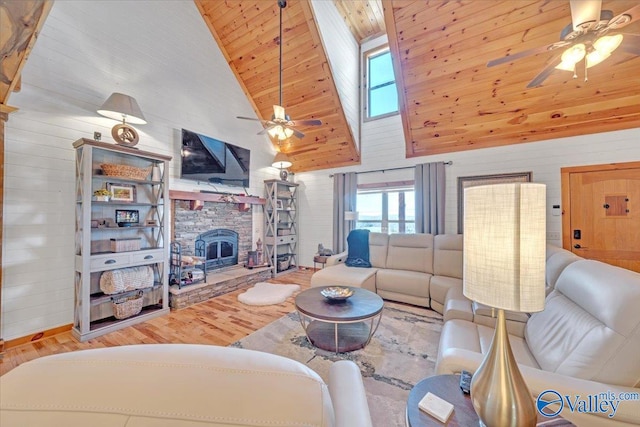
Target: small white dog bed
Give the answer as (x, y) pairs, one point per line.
(263, 293)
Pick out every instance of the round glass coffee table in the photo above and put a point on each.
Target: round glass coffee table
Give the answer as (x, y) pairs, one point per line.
(339, 325)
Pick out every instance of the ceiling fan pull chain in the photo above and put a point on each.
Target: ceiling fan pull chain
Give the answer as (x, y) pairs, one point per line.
(585, 71)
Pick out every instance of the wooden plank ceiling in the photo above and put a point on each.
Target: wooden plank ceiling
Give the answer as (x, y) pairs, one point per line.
(247, 32)
(365, 18)
(450, 101)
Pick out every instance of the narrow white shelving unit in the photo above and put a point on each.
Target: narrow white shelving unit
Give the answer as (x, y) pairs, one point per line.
(281, 225)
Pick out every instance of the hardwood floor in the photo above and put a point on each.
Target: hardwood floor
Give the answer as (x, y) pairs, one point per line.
(219, 321)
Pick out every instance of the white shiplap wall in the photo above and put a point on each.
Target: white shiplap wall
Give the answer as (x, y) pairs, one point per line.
(343, 53)
(162, 54)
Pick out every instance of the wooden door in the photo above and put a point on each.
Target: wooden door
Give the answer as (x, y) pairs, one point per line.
(602, 213)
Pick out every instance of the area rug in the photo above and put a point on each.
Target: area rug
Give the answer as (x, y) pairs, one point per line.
(263, 293)
(402, 352)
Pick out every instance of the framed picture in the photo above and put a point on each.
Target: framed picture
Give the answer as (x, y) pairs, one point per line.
(122, 192)
(472, 181)
(279, 204)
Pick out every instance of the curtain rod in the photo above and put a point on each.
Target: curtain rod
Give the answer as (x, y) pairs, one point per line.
(449, 163)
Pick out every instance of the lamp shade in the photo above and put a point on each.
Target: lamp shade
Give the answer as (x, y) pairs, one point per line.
(505, 246)
(122, 107)
(351, 216)
(281, 161)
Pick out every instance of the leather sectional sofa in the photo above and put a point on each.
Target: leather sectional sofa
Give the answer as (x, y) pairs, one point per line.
(157, 385)
(585, 342)
(417, 269)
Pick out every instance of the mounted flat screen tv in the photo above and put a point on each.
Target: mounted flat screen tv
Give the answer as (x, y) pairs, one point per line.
(209, 160)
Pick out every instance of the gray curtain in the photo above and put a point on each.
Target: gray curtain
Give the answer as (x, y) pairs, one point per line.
(430, 191)
(345, 190)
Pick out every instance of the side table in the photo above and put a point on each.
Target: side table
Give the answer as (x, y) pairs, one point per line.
(319, 259)
(448, 388)
(463, 415)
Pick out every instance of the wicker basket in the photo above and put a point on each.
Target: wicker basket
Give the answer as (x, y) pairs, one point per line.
(125, 171)
(128, 306)
(126, 279)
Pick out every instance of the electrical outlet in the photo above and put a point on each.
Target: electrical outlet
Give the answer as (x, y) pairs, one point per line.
(553, 235)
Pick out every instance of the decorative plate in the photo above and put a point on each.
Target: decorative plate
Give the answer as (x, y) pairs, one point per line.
(336, 293)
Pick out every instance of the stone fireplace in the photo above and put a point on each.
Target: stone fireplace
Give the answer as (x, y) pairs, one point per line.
(223, 232)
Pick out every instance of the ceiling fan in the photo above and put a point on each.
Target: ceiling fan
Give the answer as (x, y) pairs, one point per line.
(586, 39)
(281, 127)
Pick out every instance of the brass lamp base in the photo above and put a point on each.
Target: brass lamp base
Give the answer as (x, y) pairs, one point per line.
(498, 392)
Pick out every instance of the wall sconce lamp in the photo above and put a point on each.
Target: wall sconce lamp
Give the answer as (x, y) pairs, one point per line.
(123, 107)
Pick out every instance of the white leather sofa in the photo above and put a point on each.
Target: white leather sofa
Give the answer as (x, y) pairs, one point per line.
(160, 385)
(417, 269)
(585, 342)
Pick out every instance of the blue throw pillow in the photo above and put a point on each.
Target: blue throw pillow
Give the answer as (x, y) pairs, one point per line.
(358, 251)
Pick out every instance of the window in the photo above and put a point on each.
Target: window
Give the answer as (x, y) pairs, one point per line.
(381, 93)
(387, 210)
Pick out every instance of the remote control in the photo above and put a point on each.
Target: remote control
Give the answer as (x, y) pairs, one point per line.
(465, 382)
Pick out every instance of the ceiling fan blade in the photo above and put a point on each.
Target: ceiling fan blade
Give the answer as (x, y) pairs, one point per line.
(631, 43)
(263, 131)
(278, 112)
(249, 118)
(585, 13)
(297, 133)
(305, 123)
(542, 76)
(528, 52)
(625, 18)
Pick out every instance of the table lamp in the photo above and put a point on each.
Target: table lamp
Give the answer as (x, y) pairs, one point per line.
(282, 162)
(123, 107)
(504, 268)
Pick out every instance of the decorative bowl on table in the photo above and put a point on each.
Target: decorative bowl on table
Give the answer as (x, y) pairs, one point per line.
(336, 293)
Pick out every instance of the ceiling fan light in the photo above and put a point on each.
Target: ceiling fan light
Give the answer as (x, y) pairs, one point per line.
(280, 132)
(566, 66)
(288, 132)
(596, 57)
(603, 48)
(574, 54)
(274, 131)
(607, 44)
